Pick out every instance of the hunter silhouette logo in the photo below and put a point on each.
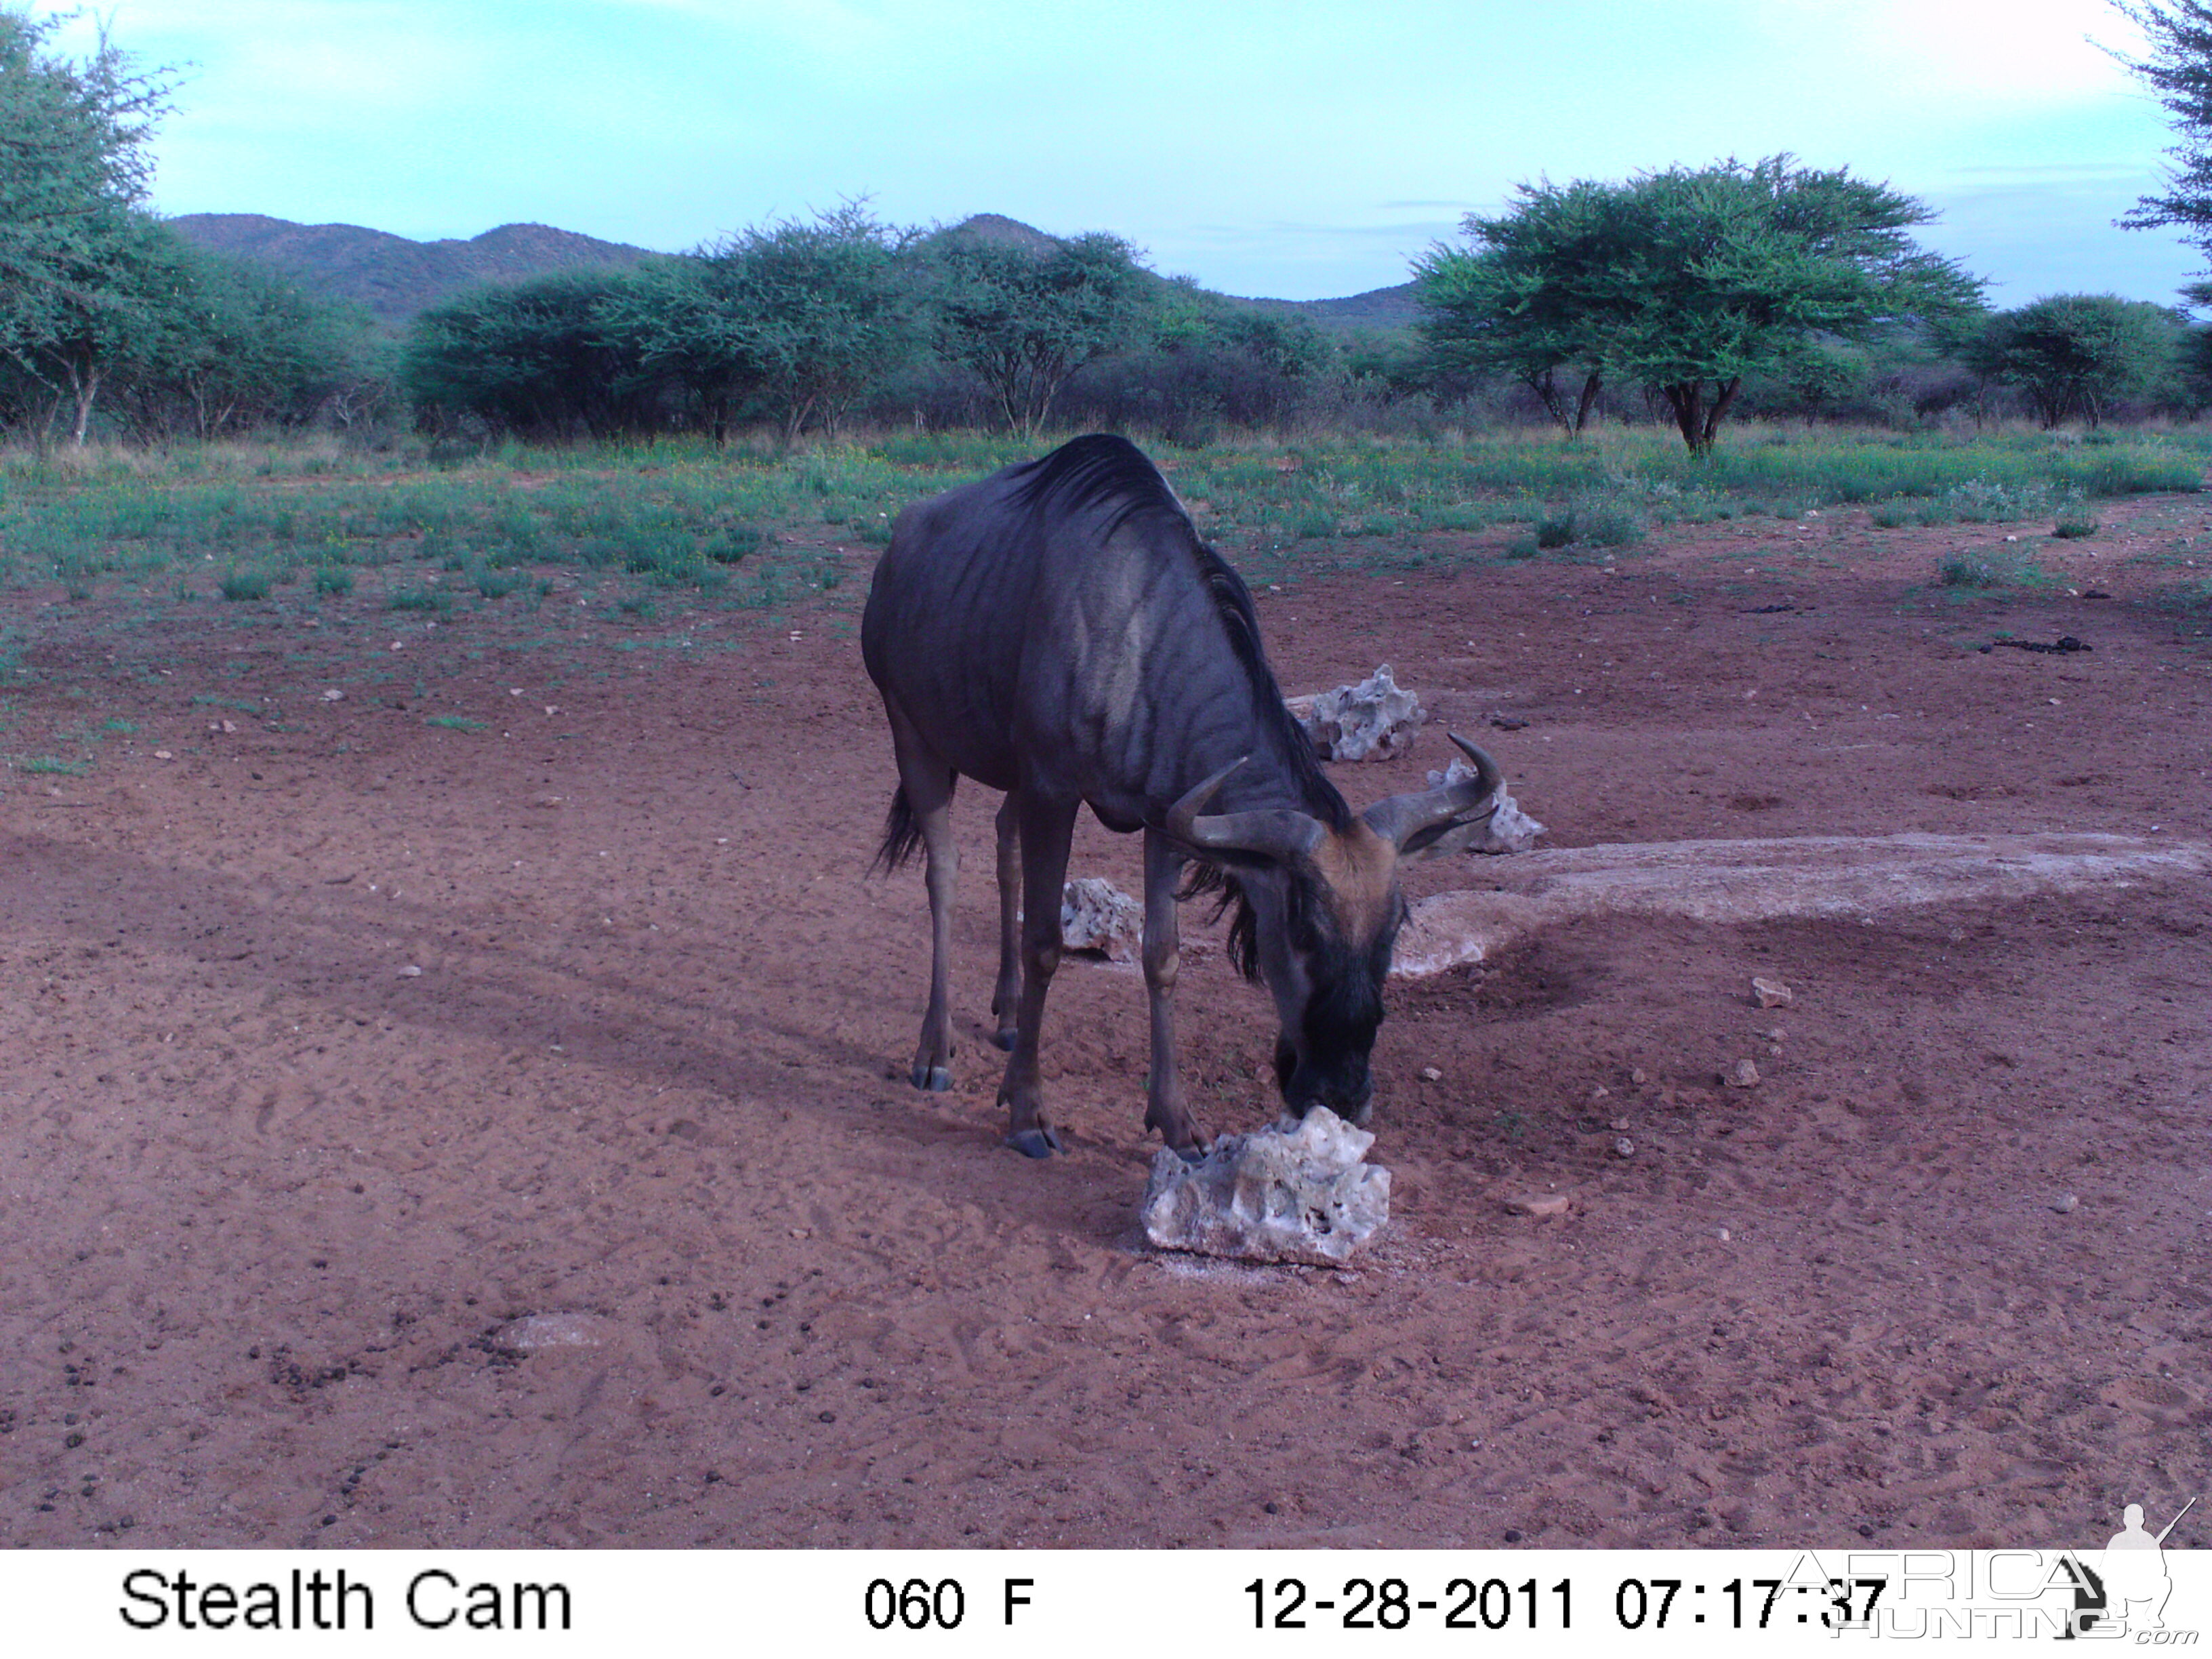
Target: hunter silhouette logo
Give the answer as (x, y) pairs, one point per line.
(2136, 1583)
(2126, 1588)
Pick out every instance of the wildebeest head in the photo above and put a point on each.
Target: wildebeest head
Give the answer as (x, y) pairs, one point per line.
(1318, 912)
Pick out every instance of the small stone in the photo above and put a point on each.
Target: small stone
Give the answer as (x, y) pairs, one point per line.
(1542, 1205)
(1600, 1092)
(2066, 1205)
(1430, 1075)
(1625, 1147)
(163, 754)
(1770, 992)
(334, 695)
(410, 971)
(1722, 1234)
(1619, 1123)
(1742, 1075)
(1638, 1076)
(1775, 1052)
(552, 1330)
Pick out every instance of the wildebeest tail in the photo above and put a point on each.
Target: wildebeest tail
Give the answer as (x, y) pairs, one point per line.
(901, 834)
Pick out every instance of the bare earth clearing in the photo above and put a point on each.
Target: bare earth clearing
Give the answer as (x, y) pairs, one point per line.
(267, 1198)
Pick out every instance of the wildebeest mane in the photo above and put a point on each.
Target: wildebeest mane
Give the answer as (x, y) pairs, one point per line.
(1108, 473)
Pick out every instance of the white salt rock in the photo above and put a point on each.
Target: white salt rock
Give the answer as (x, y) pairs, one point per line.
(1374, 719)
(553, 1330)
(1096, 915)
(1507, 829)
(1290, 1193)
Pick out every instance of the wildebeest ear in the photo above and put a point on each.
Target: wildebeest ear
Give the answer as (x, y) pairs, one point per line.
(1415, 824)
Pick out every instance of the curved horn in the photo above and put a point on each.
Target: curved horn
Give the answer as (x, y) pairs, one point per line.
(1402, 818)
(1281, 834)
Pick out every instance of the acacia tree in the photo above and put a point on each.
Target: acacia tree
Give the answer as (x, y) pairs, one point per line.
(74, 241)
(539, 356)
(1530, 299)
(1686, 281)
(2179, 71)
(2075, 354)
(1026, 320)
(806, 315)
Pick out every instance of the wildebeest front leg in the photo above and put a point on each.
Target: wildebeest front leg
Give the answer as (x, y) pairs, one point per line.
(1006, 995)
(1164, 1106)
(1047, 828)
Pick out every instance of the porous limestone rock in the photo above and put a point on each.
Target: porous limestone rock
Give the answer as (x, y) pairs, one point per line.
(1374, 719)
(1096, 915)
(1294, 1192)
(1507, 829)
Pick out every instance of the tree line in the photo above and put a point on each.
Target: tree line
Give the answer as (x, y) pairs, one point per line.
(1685, 295)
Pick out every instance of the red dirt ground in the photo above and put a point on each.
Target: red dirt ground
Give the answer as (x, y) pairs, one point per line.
(265, 1200)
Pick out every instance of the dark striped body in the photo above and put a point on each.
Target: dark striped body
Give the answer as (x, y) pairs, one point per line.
(1043, 633)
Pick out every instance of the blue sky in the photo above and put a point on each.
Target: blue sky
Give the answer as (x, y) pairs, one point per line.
(1289, 149)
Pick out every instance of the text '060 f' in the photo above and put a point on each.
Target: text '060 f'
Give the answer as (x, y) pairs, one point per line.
(1057, 630)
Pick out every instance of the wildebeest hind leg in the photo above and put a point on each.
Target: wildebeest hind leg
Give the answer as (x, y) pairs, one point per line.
(1006, 995)
(1046, 827)
(929, 783)
(1164, 1106)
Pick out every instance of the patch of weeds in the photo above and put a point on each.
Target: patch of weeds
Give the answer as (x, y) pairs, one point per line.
(1606, 526)
(455, 722)
(246, 585)
(1521, 547)
(1983, 570)
(1557, 531)
(208, 700)
(333, 578)
(640, 607)
(418, 599)
(116, 723)
(54, 766)
(495, 584)
(2074, 520)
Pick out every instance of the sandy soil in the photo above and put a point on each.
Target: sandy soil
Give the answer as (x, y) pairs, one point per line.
(268, 1193)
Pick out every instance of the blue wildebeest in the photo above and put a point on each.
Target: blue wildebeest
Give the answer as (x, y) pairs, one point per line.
(1057, 630)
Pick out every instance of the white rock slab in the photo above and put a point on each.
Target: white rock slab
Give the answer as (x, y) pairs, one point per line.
(1849, 876)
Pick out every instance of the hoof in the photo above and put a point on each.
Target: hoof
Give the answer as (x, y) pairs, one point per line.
(1194, 1153)
(1036, 1143)
(1005, 1038)
(935, 1078)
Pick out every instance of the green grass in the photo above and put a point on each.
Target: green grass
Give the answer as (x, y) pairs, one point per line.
(750, 531)
(455, 722)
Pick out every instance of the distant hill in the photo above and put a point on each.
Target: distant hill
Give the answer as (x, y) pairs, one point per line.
(1379, 308)
(395, 277)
